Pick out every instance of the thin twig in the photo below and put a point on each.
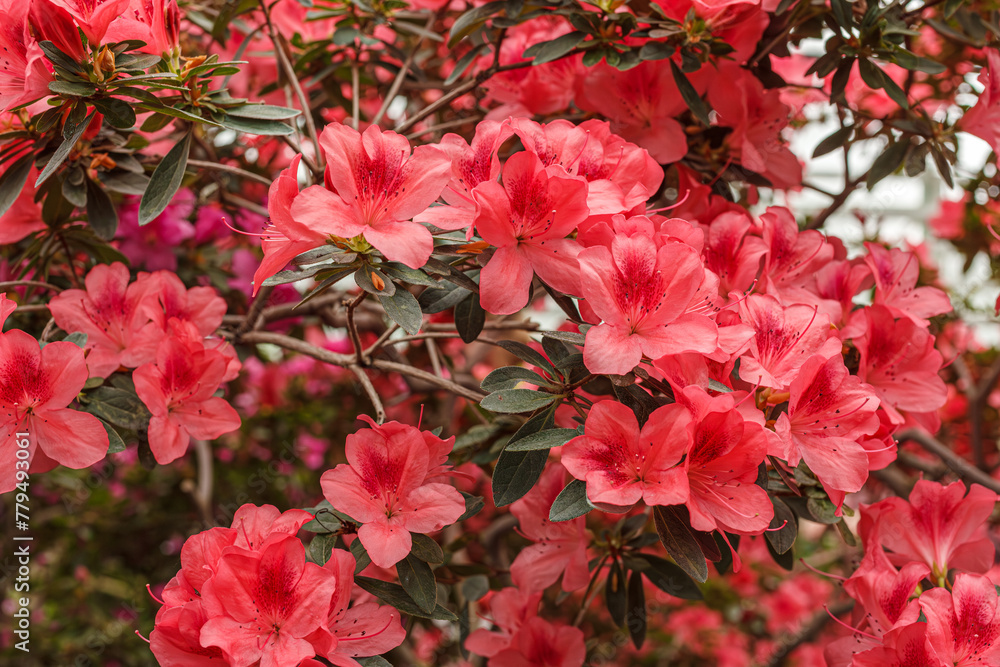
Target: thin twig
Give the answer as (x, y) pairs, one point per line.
(968, 472)
(356, 95)
(787, 644)
(256, 309)
(11, 284)
(294, 145)
(352, 329)
(202, 493)
(432, 352)
(246, 203)
(293, 81)
(837, 202)
(369, 388)
(401, 75)
(236, 171)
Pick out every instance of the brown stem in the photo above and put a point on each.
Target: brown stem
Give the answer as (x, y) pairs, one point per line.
(787, 644)
(256, 309)
(235, 171)
(837, 202)
(352, 329)
(401, 75)
(968, 472)
(369, 388)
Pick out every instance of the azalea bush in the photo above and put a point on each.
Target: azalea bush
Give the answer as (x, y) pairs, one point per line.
(499, 333)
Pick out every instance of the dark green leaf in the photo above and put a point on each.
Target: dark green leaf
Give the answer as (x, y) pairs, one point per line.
(72, 88)
(57, 57)
(470, 317)
(165, 181)
(822, 510)
(525, 353)
(124, 182)
(468, 22)
(368, 275)
(690, 95)
(321, 548)
(115, 442)
(508, 377)
(943, 167)
(785, 560)
(403, 308)
(426, 549)
(656, 51)
(571, 502)
(75, 189)
(361, 557)
(117, 112)
(374, 661)
(394, 595)
(63, 151)
(888, 161)
(263, 112)
(838, 84)
(566, 337)
(784, 527)
(12, 181)
(615, 594)
(635, 619)
(555, 437)
(417, 579)
(101, 212)
(473, 506)
(834, 141)
(117, 406)
(911, 61)
(78, 338)
(513, 401)
(679, 540)
(133, 62)
(475, 587)
(439, 300)
(515, 474)
(546, 52)
(271, 128)
(464, 62)
(670, 578)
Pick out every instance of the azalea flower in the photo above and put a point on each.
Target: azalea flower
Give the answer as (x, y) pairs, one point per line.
(642, 295)
(119, 330)
(261, 606)
(178, 389)
(983, 119)
(373, 187)
(36, 386)
(384, 486)
(963, 625)
(94, 16)
(559, 548)
(784, 337)
(938, 525)
(828, 412)
(896, 273)
(722, 466)
(527, 219)
(623, 464)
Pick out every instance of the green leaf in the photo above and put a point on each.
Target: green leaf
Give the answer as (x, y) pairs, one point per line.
(439, 300)
(525, 353)
(72, 88)
(263, 112)
(468, 22)
(394, 595)
(470, 317)
(417, 579)
(361, 557)
(78, 338)
(784, 527)
(132, 62)
(834, 141)
(911, 61)
(464, 62)
(271, 128)
(473, 506)
(117, 406)
(63, 151)
(546, 52)
(508, 377)
(822, 511)
(426, 549)
(115, 442)
(785, 560)
(635, 619)
(515, 474)
(165, 181)
(57, 57)
(514, 401)
(615, 594)
(373, 661)
(715, 385)
(887, 162)
(368, 275)
(404, 310)
(670, 578)
(566, 337)
(321, 548)
(838, 84)
(656, 51)
(101, 212)
(475, 587)
(571, 502)
(690, 95)
(678, 539)
(118, 113)
(124, 182)
(12, 181)
(554, 437)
